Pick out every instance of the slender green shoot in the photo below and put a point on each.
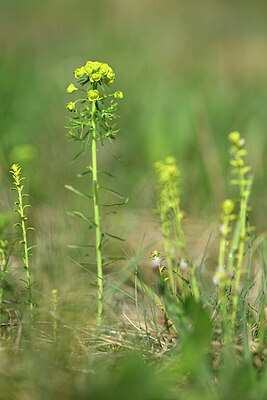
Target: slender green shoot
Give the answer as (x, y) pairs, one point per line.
(178, 260)
(3, 264)
(18, 187)
(240, 169)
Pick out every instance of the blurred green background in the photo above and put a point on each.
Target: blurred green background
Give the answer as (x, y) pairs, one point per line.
(191, 72)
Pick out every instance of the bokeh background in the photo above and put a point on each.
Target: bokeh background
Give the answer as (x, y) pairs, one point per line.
(191, 72)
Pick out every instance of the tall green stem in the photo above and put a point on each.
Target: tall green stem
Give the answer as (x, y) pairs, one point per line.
(96, 218)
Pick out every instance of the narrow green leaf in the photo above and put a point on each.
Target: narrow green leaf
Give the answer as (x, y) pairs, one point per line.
(112, 261)
(32, 247)
(77, 155)
(72, 189)
(87, 142)
(120, 196)
(80, 175)
(116, 204)
(113, 155)
(114, 236)
(103, 240)
(108, 213)
(78, 214)
(26, 205)
(101, 171)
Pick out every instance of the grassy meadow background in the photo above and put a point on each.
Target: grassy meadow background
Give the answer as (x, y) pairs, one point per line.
(191, 72)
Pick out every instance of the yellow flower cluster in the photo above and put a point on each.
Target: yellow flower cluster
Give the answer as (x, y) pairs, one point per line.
(96, 71)
(168, 171)
(228, 207)
(236, 140)
(16, 172)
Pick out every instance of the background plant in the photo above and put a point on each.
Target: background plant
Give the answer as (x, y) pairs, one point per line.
(232, 247)
(22, 224)
(171, 215)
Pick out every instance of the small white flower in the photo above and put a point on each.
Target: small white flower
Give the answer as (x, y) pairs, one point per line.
(155, 262)
(242, 142)
(183, 264)
(216, 280)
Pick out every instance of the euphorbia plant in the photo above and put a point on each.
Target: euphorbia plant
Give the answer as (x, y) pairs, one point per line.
(93, 113)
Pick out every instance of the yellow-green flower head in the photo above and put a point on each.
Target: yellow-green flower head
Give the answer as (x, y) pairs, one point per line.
(104, 69)
(110, 76)
(228, 207)
(172, 170)
(170, 160)
(118, 94)
(95, 77)
(158, 166)
(70, 106)
(234, 138)
(89, 67)
(71, 88)
(15, 170)
(93, 95)
(79, 72)
(96, 65)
